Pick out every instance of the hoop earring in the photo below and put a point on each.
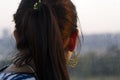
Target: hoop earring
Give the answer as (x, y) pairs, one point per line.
(73, 61)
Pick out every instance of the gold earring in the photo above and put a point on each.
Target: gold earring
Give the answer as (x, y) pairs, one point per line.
(73, 61)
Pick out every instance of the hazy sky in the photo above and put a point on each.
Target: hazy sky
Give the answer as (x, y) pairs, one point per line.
(96, 16)
(99, 16)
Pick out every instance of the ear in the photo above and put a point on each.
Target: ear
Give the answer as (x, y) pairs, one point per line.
(15, 35)
(72, 41)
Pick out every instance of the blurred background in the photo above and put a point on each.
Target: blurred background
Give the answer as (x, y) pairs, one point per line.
(100, 23)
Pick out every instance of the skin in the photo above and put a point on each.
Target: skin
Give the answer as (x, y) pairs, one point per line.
(69, 41)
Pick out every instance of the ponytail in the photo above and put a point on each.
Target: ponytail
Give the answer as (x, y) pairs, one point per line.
(43, 40)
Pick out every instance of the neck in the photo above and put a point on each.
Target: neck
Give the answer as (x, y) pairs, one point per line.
(25, 68)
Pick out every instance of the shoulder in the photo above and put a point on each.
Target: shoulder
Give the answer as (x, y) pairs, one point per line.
(16, 76)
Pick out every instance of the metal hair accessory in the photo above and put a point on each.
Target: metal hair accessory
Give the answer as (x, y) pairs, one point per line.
(36, 5)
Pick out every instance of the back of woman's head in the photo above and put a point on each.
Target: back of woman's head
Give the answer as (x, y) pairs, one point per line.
(42, 32)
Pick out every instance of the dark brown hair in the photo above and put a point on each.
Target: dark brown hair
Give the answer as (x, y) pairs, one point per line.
(42, 33)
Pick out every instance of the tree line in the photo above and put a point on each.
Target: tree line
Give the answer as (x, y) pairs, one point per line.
(92, 64)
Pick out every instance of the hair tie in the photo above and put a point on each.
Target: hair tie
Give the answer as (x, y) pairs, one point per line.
(36, 5)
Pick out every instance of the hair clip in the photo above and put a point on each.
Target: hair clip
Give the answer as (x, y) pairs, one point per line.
(36, 5)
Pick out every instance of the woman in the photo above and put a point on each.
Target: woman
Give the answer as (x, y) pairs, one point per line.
(45, 33)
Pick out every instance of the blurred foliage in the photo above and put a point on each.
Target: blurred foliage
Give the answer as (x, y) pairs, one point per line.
(92, 64)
